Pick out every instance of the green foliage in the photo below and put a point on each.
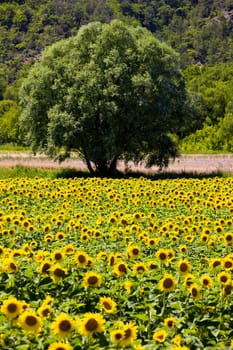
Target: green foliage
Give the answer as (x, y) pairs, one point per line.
(225, 132)
(204, 140)
(111, 91)
(211, 88)
(9, 125)
(214, 85)
(200, 31)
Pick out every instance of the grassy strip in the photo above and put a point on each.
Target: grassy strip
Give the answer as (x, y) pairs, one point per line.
(13, 148)
(21, 171)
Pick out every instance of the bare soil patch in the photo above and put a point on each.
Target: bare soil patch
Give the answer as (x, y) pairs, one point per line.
(195, 163)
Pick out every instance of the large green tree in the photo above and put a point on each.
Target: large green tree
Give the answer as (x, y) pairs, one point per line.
(112, 91)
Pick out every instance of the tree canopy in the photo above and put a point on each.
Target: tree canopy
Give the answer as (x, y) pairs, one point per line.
(112, 91)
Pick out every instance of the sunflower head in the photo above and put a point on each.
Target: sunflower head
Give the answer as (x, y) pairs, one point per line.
(63, 325)
(91, 323)
(10, 266)
(194, 291)
(44, 267)
(167, 283)
(215, 263)
(60, 346)
(170, 322)
(133, 251)
(139, 268)
(224, 277)
(228, 239)
(120, 268)
(11, 308)
(69, 249)
(160, 335)
(227, 289)
(57, 272)
(44, 311)
(130, 333)
(227, 263)
(117, 336)
(206, 281)
(57, 255)
(81, 258)
(30, 322)
(184, 266)
(108, 305)
(92, 279)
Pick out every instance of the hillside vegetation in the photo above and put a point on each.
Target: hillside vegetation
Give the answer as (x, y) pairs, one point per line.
(200, 31)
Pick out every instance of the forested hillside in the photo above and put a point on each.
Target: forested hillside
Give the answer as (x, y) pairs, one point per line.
(200, 30)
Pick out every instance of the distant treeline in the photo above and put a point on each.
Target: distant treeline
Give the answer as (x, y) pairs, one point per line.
(201, 31)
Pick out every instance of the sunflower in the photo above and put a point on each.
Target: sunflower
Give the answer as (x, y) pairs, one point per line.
(227, 263)
(228, 239)
(10, 266)
(152, 265)
(92, 279)
(127, 286)
(102, 256)
(84, 237)
(189, 238)
(120, 269)
(194, 291)
(227, 289)
(204, 238)
(2, 251)
(30, 322)
(183, 248)
(133, 251)
(108, 305)
(224, 277)
(91, 323)
(188, 280)
(48, 238)
(69, 249)
(63, 325)
(138, 347)
(60, 346)
(111, 259)
(167, 283)
(45, 267)
(184, 266)
(57, 272)
(81, 258)
(170, 254)
(130, 333)
(162, 255)
(139, 268)
(11, 307)
(152, 242)
(215, 263)
(47, 228)
(116, 336)
(160, 335)
(206, 281)
(57, 255)
(170, 322)
(44, 311)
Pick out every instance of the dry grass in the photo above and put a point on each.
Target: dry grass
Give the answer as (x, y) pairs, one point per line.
(184, 164)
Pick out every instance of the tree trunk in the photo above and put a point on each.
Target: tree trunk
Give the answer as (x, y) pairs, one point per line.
(113, 165)
(88, 163)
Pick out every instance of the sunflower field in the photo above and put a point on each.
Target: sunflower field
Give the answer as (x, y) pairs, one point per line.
(116, 264)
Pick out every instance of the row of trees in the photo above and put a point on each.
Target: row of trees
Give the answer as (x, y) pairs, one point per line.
(200, 31)
(212, 96)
